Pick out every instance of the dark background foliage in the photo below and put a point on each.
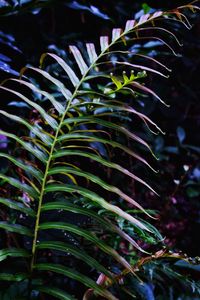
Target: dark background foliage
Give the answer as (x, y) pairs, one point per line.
(29, 28)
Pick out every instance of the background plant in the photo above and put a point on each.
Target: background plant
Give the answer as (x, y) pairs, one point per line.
(115, 84)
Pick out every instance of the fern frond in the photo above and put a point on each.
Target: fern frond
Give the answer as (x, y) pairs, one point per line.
(62, 148)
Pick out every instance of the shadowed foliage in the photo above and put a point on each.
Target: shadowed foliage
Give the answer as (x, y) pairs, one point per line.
(64, 160)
